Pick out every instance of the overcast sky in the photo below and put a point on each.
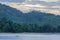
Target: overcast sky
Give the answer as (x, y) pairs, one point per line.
(11, 0)
(48, 4)
(24, 0)
(43, 2)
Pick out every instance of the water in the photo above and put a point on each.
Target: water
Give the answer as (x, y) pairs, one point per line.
(29, 36)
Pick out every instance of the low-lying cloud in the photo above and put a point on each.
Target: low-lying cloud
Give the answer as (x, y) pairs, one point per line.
(51, 6)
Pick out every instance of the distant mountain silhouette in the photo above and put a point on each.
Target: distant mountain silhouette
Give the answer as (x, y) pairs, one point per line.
(9, 12)
(33, 17)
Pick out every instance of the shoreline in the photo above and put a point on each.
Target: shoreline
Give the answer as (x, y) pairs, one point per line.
(30, 33)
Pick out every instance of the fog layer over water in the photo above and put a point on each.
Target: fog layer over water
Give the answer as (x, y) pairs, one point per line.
(29, 36)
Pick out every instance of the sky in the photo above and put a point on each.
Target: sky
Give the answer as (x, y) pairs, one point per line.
(52, 6)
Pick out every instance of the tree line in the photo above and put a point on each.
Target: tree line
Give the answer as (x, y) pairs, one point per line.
(9, 26)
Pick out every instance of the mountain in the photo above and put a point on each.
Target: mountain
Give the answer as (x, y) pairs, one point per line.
(43, 18)
(9, 12)
(33, 17)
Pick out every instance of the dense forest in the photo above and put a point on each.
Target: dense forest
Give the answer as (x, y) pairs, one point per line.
(15, 21)
(11, 27)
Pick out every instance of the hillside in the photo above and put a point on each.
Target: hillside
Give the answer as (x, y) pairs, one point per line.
(9, 12)
(15, 21)
(33, 17)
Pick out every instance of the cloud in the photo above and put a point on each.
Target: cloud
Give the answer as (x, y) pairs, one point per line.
(57, 12)
(50, 3)
(50, 6)
(50, 0)
(37, 7)
(43, 2)
(12, 1)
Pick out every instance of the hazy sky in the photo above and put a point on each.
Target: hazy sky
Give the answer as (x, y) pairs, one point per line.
(32, 0)
(42, 2)
(12, 0)
(51, 5)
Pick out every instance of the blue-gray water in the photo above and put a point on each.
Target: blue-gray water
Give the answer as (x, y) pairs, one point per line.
(29, 36)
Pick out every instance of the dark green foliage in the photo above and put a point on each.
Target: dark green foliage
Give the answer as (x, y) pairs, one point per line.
(11, 27)
(15, 21)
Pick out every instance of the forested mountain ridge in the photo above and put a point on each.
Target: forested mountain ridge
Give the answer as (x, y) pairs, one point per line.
(13, 20)
(30, 17)
(9, 12)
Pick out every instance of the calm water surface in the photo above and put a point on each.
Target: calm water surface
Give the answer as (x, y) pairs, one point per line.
(29, 36)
